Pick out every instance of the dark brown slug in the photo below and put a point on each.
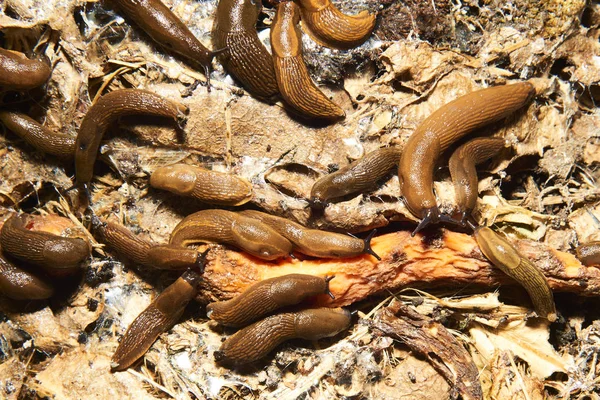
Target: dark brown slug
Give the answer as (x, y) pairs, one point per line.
(57, 255)
(43, 139)
(126, 244)
(464, 174)
(357, 177)
(444, 127)
(329, 27)
(202, 184)
(504, 256)
(166, 29)
(19, 284)
(157, 318)
(259, 339)
(589, 253)
(314, 242)
(21, 73)
(246, 58)
(107, 110)
(266, 296)
(220, 226)
(295, 85)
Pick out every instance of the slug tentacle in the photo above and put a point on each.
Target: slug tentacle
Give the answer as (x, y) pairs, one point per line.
(21, 73)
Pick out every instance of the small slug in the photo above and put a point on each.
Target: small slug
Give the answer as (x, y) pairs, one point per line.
(444, 127)
(142, 252)
(166, 29)
(506, 257)
(19, 284)
(463, 172)
(589, 253)
(202, 184)
(266, 296)
(56, 254)
(359, 176)
(314, 242)
(158, 317)
(108, 109)
(43, 139)
(329, 27)
(293, 80)
(220, 226)
(21, 73)
(259, 339)
(246, 57)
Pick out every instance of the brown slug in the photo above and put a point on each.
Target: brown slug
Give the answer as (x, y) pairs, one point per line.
(464, 175)
(444, 127)
(20, 284)
(246, 58)
(43, 139)
(157, 318)
(21, 73)
(266, 296)
(56, 254)
(107, 110)
(126, 244)
(359, 176)
(506, 257)
(202, 184)
(314, 242)
(295, 85)
(220, 226)
(589, 253)
(259, 339)
(329, 27)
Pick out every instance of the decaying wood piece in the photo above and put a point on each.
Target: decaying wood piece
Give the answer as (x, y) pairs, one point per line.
(433, 341)
(442, 258)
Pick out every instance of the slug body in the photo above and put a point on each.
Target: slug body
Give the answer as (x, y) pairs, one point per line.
(246, 57)
(444, 127)
(158, 317)
(589, 253)
(202, 184)
(166, 29)
(21, 73)
(314, 242)
(43, 139)
(359, 176)
(142, 252)
(504, 256)
(53, 253)
(20, 284)
(107, 110)
(259, 339)
(220, 226)
(293, 80)
(265, 297)
(463, 172)
(329, 27)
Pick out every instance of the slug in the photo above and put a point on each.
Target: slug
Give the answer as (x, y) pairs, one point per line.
(463, 172)
(108, 109)
(43, 139)
(293, 80)
(266, 296)
(166, 29)
(21, 73)
(246, 58)
(314, 242)
(202, 184)
(220, 226)
(356, 177)
(19, 284)
(444, 127)
(589, 253)
(329, 27)
(56, 254)
(158, 317)
(259, 339)
(142, 252)
(504, 256)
